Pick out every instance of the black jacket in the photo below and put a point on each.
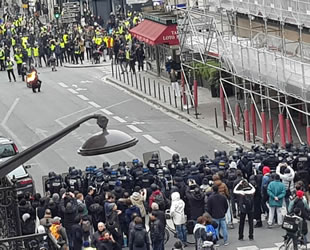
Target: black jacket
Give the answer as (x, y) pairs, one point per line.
(157, 229)
(139, 229)
(69, 214)
(77, 236)
(195, 203)
(217, 206)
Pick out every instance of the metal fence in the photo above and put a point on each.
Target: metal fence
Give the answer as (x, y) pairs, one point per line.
(290, 11)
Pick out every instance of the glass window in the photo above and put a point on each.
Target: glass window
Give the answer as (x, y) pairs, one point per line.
(6, 150)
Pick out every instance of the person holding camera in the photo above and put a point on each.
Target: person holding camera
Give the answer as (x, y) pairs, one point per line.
(300, 207)
(245, 196)
(287, 175)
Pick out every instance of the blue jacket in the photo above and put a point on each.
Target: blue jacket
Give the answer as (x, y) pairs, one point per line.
(276, 189)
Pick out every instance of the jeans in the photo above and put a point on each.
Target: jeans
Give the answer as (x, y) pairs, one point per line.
(158, 245)
(181, 232)
(221, 225)
(272, 210)
(241, 224)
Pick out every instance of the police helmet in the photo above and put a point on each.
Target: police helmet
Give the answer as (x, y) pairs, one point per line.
(269, 151)
(105, 164)
(140, 164)
(184, 160)
(51, 174)
(251, 155)
(160, 172)
(135, 162)
(166, 171)
(155, 156)
(194, 170)
(122, 164)
(145, 170)
(123, 171)
(175, 157)
(239, 149)
(222, 163)
(180, 165)
(217, 153)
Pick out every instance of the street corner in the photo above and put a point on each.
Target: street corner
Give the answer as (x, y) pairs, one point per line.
(88, 65)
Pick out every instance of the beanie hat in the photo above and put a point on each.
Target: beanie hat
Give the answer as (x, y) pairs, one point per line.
(300, 194)
(266, 170)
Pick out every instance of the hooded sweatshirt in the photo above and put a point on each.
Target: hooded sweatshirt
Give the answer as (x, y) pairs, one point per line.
(177, 209)
(137, 200)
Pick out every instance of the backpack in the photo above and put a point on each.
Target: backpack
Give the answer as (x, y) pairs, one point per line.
(54, 229)
(265, 187)
(139, 238)
(160, 200)
(211, 232)
(86, 225)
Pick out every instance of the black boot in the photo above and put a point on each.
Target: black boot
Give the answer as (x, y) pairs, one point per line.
(258, 224)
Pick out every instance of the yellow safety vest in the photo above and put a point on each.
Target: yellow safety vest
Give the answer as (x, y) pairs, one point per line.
(62, 45)
(9, 65)
(127, 54)
(36, 51)
(13, 41)
(128, 37)
(2, 55)
(65, 38)
(18, 58)
(24, 41)
(29, 51)
(135, 20)
(52, 47)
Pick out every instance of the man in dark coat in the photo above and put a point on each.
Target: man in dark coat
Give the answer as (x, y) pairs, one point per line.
(217, 207)
(245, 193)
(195, 201)
(139, 239)
(156, 229)
(77, 234)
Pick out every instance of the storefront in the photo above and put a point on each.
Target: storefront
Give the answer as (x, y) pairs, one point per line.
(158, 31)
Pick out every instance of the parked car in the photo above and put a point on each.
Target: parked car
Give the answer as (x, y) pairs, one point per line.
(24, 181)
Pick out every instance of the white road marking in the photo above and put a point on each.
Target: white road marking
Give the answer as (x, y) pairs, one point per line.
(168, 150)
(74, 85)
(79, 89)
(151, 139)
(10, 111)
(83, 97)
(94, 104)
(119, 103)
(121, 120)
(74, 113)
(41, 132)
(73, 91)
(107, 112)
(62, 85)
(134, 128)
(248, 248)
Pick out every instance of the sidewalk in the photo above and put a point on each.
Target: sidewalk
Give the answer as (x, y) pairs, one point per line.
(86, 64)
(158, 91)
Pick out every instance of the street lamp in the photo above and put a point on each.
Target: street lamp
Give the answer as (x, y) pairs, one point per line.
(104, 142)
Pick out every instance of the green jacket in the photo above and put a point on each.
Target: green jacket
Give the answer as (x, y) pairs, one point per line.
(276, 189)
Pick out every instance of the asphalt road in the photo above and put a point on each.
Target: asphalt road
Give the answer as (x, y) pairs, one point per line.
(69, 94)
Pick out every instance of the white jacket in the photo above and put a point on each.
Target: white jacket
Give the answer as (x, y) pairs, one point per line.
(177, 209)
(287, 179)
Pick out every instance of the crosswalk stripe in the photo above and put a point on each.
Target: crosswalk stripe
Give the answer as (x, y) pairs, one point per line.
(248, 248)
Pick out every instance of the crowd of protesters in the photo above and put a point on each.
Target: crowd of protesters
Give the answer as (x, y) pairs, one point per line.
(109, 208)
(27, 42)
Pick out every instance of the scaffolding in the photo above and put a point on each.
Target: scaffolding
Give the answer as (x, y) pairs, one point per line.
(268, 71)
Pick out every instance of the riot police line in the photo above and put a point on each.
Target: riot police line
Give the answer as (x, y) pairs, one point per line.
(175, 171)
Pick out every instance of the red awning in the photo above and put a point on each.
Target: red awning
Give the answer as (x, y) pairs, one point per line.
(155, 33)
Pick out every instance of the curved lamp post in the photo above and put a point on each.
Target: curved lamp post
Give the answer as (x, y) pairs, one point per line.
(103, 142)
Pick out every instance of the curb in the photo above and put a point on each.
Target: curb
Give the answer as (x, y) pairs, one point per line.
(78, 66)
(177, 112)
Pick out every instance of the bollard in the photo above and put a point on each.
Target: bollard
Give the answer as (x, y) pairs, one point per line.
(127, 78)
(232, 125)
(136, 79)
(253, 131)
(215, 116)
(175, 99)
(243, 127)
(112, 68)
(144, 85)
(139, 81)
(116, 71)
(169, 96)
(131, 79)
(181, 102)
(119, 74)
(187, 104)
(159, 91)
(154, 85)
(149, 83)
(164, 95)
